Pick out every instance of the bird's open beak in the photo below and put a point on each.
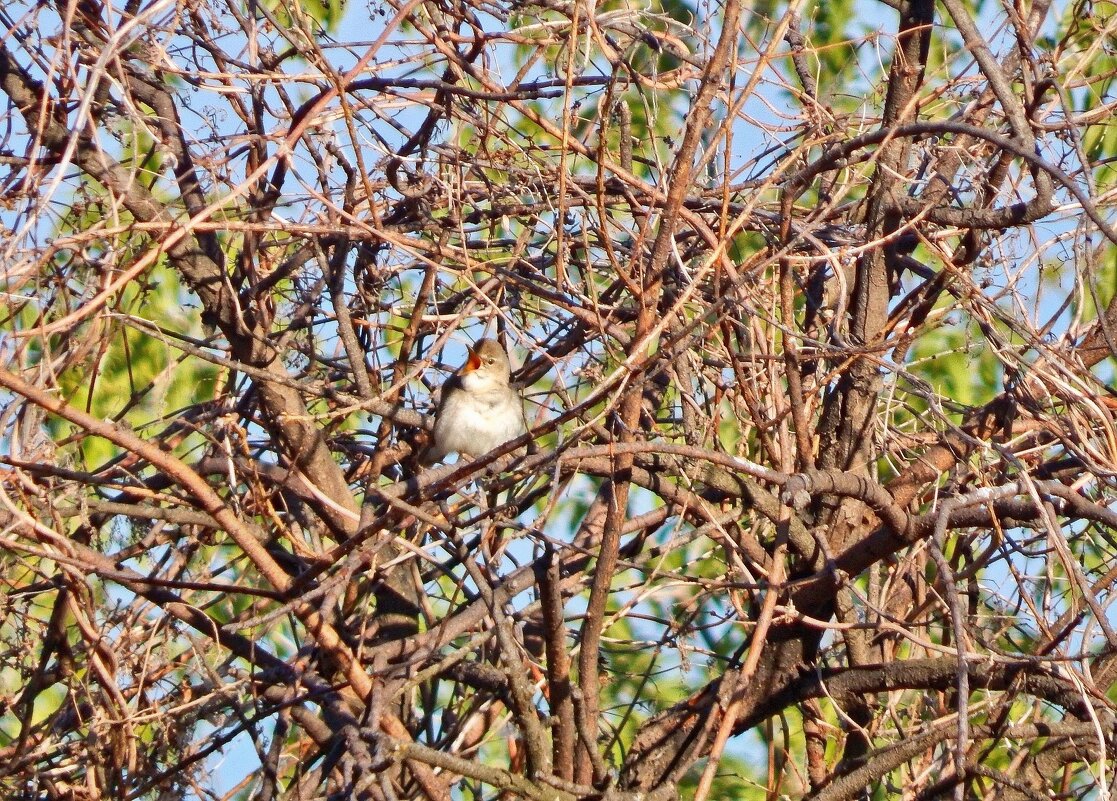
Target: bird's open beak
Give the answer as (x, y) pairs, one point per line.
(472, 363)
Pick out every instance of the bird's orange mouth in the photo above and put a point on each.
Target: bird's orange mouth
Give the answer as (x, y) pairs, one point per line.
(473, 363)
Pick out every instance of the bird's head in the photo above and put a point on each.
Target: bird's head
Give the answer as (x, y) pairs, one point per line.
(487, 365)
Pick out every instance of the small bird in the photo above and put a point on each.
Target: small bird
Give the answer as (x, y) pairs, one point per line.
(478, 410)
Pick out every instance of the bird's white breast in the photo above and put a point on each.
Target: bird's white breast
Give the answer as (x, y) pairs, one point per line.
(483, 417)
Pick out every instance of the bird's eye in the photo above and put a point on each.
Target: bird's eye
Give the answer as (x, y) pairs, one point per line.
(490, 360)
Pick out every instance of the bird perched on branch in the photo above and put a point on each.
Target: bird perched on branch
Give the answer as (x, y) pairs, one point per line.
(479, 410)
